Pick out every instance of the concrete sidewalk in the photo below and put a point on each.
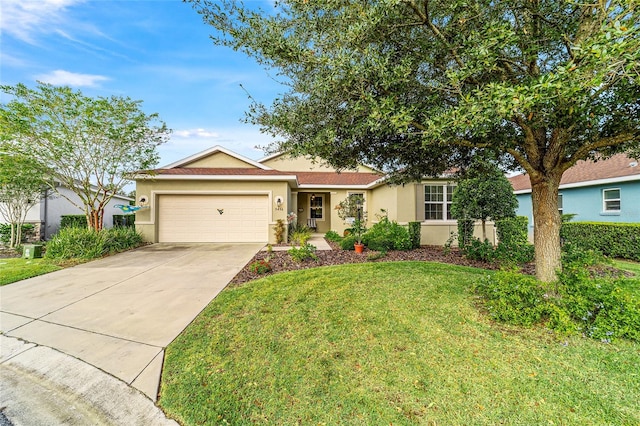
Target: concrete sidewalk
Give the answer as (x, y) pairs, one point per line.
(118, 314)
(316, 240)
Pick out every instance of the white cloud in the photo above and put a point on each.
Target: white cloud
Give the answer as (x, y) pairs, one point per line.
(66, 78)
(24, 19)
(195, 133)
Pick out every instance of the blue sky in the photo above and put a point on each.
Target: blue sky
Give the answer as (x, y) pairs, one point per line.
(157, 51)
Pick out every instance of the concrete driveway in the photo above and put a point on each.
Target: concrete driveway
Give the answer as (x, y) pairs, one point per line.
(121, 312)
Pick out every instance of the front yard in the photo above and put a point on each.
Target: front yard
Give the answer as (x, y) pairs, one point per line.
(387, 343)
(16, 269)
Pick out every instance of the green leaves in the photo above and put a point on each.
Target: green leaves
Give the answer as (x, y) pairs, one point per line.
(90, 145)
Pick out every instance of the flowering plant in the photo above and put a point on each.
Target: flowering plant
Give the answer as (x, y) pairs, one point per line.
(291, 217)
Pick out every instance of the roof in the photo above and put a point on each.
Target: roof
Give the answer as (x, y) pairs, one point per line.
(619, 168)
(303, 179)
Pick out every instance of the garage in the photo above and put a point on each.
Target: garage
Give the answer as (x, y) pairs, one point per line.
(213, 218)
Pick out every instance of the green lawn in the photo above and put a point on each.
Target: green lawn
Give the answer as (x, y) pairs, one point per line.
(386, 343)
(16, 269)
(633, 284)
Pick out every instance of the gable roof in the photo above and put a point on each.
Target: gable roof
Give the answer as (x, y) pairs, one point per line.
(619, 168)
(211, 151)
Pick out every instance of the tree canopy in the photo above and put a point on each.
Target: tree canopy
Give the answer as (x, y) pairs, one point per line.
(419, 86)
(89, 145)
(21, 187)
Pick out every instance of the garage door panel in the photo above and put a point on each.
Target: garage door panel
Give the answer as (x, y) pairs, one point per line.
(213, 218)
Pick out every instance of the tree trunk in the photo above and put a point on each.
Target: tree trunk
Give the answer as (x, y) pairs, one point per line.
(96, 218)
(546, 231)
(484, 230)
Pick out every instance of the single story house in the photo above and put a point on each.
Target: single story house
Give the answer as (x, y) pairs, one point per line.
(601, 191)
(220, 196)
(46, 214)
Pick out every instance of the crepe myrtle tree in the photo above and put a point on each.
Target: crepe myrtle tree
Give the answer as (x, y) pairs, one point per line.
(418, 86)
(21, 187)
(483, 192)
(88, 145)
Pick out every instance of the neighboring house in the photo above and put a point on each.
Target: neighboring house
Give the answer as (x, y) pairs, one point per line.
(220, 196)
(601, 191)
(46, 214)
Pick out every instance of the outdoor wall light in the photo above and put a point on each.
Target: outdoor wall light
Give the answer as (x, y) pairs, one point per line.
(279, 202)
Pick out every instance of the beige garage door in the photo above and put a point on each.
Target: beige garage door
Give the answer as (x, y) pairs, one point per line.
(213, 218)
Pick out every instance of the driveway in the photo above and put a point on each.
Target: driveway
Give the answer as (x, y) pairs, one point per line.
(121, 312)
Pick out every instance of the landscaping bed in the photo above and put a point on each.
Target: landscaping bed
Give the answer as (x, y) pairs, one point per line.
(281, 261)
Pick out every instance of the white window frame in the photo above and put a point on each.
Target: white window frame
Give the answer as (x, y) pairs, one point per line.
(322, 208)
(605, 200)
(447, 192)
(560, 204)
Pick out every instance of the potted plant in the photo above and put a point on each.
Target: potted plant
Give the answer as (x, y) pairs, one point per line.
(352, 212)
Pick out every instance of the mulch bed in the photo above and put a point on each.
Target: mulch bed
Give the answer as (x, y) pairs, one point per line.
(281, 261)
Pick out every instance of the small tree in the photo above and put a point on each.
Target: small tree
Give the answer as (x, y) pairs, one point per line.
(483, 193)
(21, 187)
(351, 210)
(89, 145)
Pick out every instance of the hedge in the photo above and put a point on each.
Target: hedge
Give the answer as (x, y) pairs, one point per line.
(124, 220)
(73, 221)
(621, 240)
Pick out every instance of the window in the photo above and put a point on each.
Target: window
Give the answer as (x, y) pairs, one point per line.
(437, 202)
(611, 200)
(560, 208)
(356, 202)
(316, 206)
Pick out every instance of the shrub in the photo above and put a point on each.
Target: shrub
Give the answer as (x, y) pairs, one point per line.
(279, 231)
(84, 243)
(5, 232)
(599, 308)
(612, 239)
(300, 236)
(260, 267)
(304, 252)
(513, 246)
(73, 221)
(333, 236)
(387, 235)
(513, 298)
(414, 234)
(348, 242)
(478, 250)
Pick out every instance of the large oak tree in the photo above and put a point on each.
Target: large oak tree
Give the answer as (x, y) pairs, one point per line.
(88, 145)
(418, 86)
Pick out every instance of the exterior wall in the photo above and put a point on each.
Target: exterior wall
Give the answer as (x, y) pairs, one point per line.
(219, 159)
(586, 203)
(146, 219)
(298, 164)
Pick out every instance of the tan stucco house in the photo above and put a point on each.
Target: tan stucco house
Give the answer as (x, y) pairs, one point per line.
(220, 196)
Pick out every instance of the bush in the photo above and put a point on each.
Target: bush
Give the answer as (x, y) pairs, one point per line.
(513, 298)
(279, 231)
(73, 221)
(84, 243)
(387, 235)
(599, 308)
(300, 235)
(478, 250)
(348, 242)
(260, 267)
(513, 245)
(612, 239)
(304, 252)
(5, 232)
(333, 236)
(414, 234)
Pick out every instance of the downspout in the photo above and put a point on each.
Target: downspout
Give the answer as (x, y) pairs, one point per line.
(46, 213)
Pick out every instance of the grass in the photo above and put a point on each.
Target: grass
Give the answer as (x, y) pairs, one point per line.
(16, 269)
(632, 284)
(386, 343)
